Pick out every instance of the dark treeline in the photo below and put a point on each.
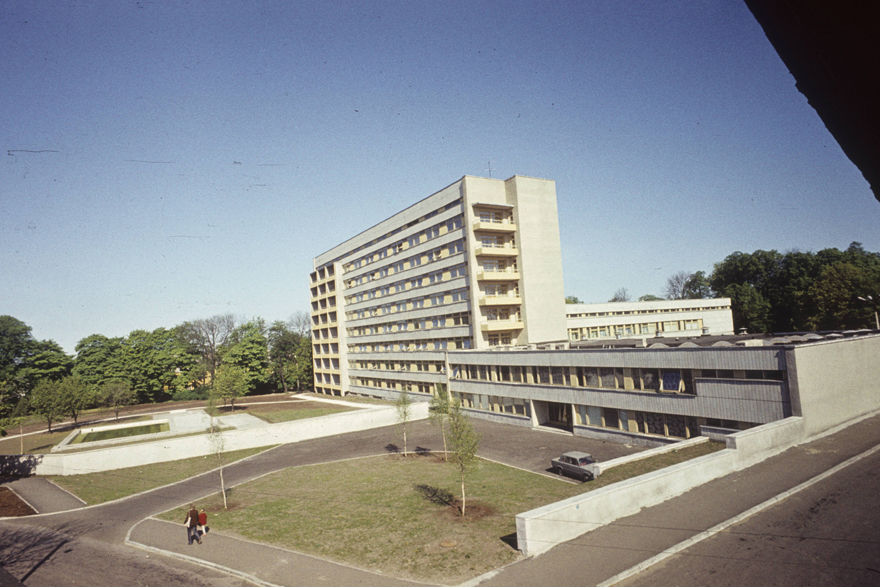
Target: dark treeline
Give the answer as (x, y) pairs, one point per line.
(176, 363)
(793, 291)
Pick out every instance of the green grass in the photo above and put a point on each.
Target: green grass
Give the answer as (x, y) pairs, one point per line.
(388, 514)
(98, 435)
(109, 485)
(275, 416)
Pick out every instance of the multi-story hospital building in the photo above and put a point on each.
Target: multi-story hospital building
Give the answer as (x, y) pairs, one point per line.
(464, 289)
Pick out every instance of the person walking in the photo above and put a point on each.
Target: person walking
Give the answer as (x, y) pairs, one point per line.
(203, 523)
(192, 525)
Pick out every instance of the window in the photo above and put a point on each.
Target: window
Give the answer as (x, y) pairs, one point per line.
(543, 374)
(436, 277)
(437, 299)
(414, 240)
(415, 261)
(460, 295)
(416, 282)
(491, 241)
(453, 223)
(401, 306)
(398, 267)
(418, 303)
(456, 247)
(557, 376)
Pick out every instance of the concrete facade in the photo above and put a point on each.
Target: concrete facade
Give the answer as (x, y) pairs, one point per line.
(662, 318)
(475, 266)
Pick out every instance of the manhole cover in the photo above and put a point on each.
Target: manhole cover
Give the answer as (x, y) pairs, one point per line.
(447, 543)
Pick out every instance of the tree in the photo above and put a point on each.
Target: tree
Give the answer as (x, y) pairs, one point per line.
(404, 414)
(676, 285)
(750, 309)
(464, 442)
(218, 444)
(572, 300)
(156, 363)
(621, 295)
(290, 356)
(651, 298)
(230, 384)
(438, 413)
(836, 293)
(48, 361)
(116, 394)
(697, 287)
(98, 360)
(301, 323)
(46, 401)
(208, 337)
(249, 351)
(74, 396)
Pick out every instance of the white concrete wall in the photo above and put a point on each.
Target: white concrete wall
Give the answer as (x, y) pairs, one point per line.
(543, 528)
(835, 381)
(540, 259)
(173, 449)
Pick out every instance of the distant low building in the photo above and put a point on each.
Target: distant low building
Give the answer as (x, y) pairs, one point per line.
(664, 318)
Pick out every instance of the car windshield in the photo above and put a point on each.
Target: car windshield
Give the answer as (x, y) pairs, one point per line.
(585, 461)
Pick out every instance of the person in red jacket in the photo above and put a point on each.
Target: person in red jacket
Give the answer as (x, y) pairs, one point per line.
(203, 523)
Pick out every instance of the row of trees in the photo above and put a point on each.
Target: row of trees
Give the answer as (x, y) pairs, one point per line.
(183, 362)
(785, 292)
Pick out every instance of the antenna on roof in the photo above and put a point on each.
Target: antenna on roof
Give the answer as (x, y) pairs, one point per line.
(490, 170)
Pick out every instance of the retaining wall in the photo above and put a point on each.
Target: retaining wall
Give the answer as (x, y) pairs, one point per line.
(540, 529)
(173, 449)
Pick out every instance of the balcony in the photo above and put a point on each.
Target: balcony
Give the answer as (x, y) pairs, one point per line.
(500, 301)
(497, 251)
(505, 275)
(506, 227)
(501, 325)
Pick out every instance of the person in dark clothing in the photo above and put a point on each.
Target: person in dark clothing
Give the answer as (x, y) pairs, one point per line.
(192, 525)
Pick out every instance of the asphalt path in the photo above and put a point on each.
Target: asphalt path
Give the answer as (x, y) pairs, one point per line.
(85, 546)
(63, 545)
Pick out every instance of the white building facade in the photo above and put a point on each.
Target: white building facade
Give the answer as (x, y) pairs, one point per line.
(662, 318)
(476, 265)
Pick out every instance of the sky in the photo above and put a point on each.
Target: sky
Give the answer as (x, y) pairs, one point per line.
(169, 161)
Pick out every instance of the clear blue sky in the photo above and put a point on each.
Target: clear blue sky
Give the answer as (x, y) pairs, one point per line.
(167, 161)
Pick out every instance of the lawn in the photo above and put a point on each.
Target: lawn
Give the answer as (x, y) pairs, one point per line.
(399, 516)
(109, 485)
(274, 413)
(100, 434)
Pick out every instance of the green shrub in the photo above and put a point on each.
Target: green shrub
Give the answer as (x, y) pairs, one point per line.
(200, 393)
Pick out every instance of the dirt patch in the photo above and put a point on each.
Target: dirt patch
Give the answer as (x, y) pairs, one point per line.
(12, 506)
(474, 511)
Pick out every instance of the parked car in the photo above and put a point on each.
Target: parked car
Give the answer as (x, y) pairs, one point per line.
(575, 463)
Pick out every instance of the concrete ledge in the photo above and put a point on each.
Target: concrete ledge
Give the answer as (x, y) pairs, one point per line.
(542, 528)
(172, 449)
(64, 444)
(600, 467)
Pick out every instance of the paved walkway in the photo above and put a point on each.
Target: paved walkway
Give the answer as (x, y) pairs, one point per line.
(588, 560)
(269, 564)
(43, 495)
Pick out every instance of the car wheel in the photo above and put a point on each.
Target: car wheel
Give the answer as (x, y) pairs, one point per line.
(557, 470)
(587, 477)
